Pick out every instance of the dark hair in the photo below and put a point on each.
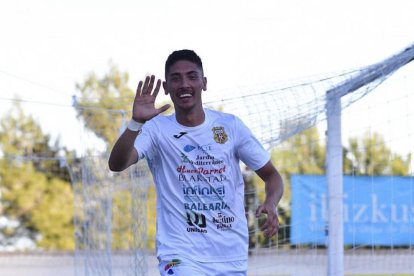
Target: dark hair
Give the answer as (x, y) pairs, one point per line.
(185, 54)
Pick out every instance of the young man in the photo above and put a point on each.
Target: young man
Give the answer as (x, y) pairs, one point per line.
(194, 158)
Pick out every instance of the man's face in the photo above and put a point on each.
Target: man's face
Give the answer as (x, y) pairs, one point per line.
(185, 82)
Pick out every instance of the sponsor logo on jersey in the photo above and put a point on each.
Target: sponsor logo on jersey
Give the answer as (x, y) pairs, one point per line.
(189, 148)
(184, 170)
(199, 190)
(201, 160)
(169, 267)
(201, 178)
(220, 135)
(222, 222)
(185, 159)
(203, 148)
(181, 134)
(196, 222)
(199, 206)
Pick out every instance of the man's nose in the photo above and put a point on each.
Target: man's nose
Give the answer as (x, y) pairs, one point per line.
(185, 82)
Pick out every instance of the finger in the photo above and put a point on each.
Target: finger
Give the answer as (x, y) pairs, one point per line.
(264, 226)
(163, 108)
(273, 228)
(157, 88)
(267, 225)
(139, 89)
(259, 211)
(269, 233)
(145, 87)
(270, 230)
(151, 84)
(270, 223)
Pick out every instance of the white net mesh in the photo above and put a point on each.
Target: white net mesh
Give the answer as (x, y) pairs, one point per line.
(110, 219)
(275, 112)
(107, 245)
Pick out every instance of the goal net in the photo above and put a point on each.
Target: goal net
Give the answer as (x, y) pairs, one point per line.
(378, 194)
(114, 232)
(110, 219)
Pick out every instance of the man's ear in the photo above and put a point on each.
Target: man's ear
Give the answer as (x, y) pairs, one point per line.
(204, 83)
(164, 85)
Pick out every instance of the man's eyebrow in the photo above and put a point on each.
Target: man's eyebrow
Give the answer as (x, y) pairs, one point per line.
(192, 72)
(186, 73)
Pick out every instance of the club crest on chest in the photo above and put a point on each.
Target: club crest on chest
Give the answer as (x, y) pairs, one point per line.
(220, 135)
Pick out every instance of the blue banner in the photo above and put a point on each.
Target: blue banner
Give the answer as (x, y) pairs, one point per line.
(378, 210)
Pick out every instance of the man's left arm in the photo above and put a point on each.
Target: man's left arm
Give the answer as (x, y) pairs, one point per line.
(274, 191)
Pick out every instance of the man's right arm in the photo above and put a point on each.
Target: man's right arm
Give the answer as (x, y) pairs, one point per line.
(124, 153)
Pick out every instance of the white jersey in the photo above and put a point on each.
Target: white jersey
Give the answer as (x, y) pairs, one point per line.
(199, 185)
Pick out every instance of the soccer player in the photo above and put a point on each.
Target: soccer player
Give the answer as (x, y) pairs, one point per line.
(194, 157)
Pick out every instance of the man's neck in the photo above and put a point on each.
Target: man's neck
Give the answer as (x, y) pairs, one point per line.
(190, 118)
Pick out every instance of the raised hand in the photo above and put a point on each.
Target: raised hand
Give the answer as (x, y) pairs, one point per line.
(144, 108)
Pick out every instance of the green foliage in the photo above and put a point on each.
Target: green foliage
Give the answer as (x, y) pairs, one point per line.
(151, 215)
(305, 154)
(371, 156)
(401, 165)
(104, 102)
(21, 137)
(43, 205)
(53, 216)
(302, 154)
(34, 190)
(122, 221)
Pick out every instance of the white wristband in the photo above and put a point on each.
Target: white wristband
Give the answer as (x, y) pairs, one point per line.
(134, 125)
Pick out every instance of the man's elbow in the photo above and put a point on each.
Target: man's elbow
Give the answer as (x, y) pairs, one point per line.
(114, 167)
(118, 165)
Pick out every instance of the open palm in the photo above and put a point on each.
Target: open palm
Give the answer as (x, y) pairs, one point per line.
(144, 102)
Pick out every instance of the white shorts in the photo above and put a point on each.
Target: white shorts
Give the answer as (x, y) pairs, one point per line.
(179, 266)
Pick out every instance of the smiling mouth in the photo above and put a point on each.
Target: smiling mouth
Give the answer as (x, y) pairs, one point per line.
(186, 95)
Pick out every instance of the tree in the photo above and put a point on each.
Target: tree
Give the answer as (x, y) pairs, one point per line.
(22, 137)
(104, 102)
(371, 156)
(42, 205)
(305, 153)
(31, 191)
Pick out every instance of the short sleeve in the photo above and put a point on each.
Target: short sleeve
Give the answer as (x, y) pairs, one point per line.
(248, 148)
(144, 142)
